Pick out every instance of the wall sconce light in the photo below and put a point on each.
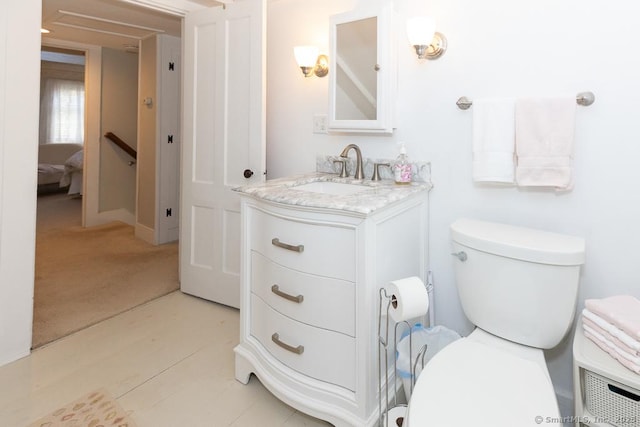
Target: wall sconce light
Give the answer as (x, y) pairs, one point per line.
(422, 34)
(310, 62)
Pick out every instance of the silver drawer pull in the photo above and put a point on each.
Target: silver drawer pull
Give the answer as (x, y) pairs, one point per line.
(278, 243)
(295, 298)
(297, 350)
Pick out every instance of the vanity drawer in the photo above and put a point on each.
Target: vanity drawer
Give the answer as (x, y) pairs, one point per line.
(315, 352)
(315, 300)
(315, 248)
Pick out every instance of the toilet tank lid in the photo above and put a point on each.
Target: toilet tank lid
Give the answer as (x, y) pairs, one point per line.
(519, 242)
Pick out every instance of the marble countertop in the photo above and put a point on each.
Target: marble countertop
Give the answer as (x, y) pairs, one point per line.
(378, 194)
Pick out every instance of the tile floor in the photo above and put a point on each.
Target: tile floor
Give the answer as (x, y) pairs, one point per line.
(169, 363)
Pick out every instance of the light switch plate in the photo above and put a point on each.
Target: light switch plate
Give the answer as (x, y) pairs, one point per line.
(319, 123)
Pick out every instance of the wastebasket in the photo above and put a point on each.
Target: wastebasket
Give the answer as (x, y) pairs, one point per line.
(436, 338)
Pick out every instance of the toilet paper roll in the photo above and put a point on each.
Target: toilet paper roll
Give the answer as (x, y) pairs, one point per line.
(409, 298)
(396, 416)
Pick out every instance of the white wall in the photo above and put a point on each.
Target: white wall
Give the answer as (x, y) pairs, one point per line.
(120, 116)
(496, 48)
(19, 90)
(293, 99)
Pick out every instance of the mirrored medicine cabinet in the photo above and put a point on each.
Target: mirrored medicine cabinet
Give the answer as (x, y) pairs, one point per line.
(362, 77)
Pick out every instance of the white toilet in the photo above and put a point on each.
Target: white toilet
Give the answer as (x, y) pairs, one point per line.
(519, 287)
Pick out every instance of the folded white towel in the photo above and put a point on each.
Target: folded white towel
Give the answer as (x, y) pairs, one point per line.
(612, 329)
(622, 311)
(493, 140)
(620, 352)
(544, 142)
(613, 339)
(626, 363)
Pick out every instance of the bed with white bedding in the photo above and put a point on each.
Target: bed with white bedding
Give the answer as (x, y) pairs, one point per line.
(59, 167)
(72, 175)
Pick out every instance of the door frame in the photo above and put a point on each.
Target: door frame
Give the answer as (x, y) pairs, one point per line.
(92, 127)
(18, 33)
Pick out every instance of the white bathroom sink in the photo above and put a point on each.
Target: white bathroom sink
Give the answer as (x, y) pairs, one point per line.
(333, 188)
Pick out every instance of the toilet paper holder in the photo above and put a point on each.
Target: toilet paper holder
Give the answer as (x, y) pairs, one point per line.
(383, 353)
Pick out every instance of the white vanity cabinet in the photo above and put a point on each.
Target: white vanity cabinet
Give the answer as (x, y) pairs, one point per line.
(309, 299)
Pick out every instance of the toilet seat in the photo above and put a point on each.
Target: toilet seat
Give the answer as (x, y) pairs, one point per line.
(471, 383)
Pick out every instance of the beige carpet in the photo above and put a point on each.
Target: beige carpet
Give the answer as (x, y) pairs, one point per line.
(93, 410)
(85, 275)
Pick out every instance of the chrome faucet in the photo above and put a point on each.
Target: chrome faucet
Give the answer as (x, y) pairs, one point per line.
(359, 172)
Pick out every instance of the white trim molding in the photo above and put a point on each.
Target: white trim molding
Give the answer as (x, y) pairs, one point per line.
(178, 7)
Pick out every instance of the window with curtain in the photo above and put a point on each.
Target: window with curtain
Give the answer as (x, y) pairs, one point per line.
(62, 112)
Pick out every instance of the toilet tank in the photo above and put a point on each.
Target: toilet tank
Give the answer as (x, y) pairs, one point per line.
(517, 283)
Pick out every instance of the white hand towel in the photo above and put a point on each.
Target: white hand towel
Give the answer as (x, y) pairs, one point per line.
(544, 142)
(493, 140)
(612, 329)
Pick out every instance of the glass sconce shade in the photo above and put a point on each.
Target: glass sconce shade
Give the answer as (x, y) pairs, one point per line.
(420, 30)
(310, 62)
(306, 56)
(422, 34)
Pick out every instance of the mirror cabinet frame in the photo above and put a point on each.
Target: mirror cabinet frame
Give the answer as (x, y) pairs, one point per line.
(386, 73)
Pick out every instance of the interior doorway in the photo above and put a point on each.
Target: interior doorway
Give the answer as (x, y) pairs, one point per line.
(62, 122)
(84, 275)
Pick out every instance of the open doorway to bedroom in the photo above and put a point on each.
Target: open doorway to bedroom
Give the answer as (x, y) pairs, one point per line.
(61, 137)
(62, 123)
(85, 275)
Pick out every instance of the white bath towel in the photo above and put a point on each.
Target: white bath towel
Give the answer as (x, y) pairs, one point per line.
(494, 140)
(544, 142)
(622, 311)
(612, 329)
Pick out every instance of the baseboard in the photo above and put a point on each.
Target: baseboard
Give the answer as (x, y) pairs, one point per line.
(121, 215)
(170, 235)
(145, 233)
(11, 356)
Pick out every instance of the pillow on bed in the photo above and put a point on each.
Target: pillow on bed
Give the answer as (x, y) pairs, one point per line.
(75, 161)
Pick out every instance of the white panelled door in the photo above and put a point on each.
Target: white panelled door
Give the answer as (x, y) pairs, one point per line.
(223, 142)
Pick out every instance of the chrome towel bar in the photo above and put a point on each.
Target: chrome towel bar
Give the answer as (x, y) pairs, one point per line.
(582, 98)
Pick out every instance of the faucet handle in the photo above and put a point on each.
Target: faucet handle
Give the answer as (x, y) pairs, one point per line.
(343, 167)
(376, 172)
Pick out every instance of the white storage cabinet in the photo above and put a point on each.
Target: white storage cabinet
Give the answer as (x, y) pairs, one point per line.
(605, 392)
